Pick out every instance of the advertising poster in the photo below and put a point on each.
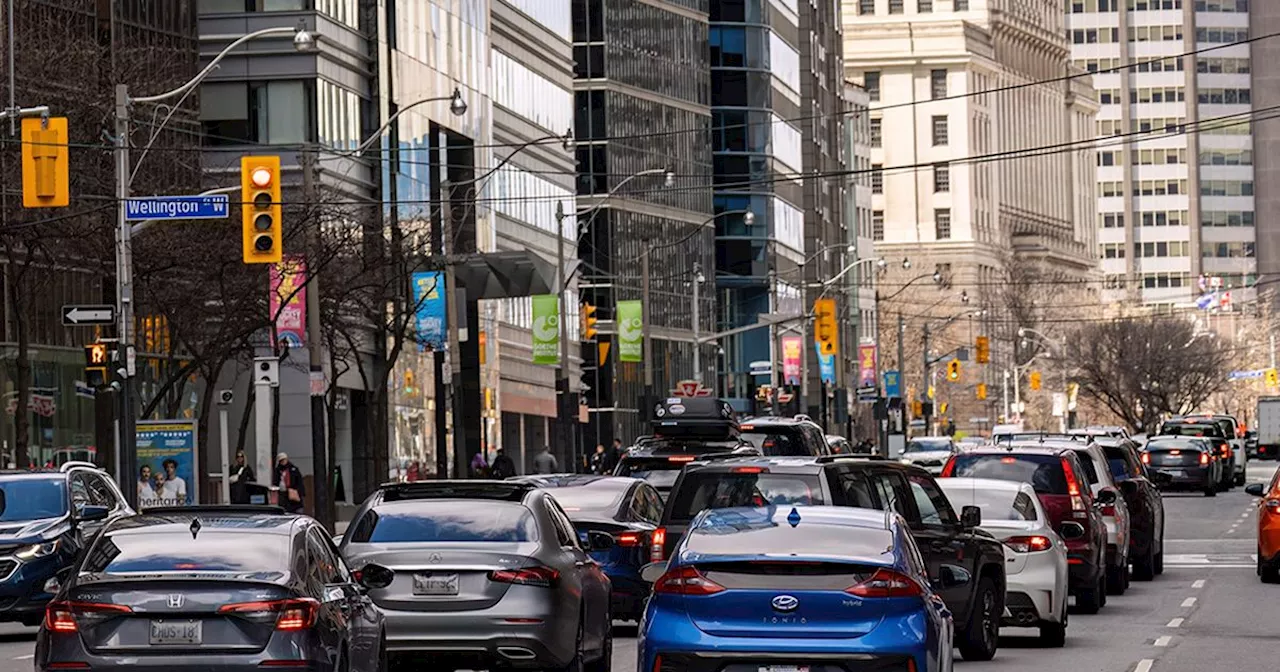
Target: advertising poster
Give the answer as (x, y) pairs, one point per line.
(166, 463)
(791, 352)
(826, 365)
(546, 329)
(289, 299)
(867, 365)
(630, 331)
(428, 297)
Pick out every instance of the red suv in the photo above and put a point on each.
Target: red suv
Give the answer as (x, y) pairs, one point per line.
(1060, 481)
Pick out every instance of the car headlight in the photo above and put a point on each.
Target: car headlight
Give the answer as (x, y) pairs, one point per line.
(906, 460)
(37, 550)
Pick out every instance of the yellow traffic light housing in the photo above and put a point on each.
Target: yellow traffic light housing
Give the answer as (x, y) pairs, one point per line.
(982, 391)
(589, 330)
(1272, 378)
(953, 370)
(262, 232)
(46, 163)
(1035, 380)
(983, 346)
(826, 330)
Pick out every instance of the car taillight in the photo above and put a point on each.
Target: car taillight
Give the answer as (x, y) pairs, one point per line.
(1109, 509)
(542, 577)
(886, 583)
(748, 470)
(681, 458)
(948, 468)
(291, 614)
(628, 539)
(685, 580)
(1146, 458)
(1204, 459)
(657, 541)
(61, 616)
(1032, 544)
(1073, 487)
(1225, 450)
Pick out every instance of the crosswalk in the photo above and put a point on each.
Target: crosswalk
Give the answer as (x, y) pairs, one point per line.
(1214, 560)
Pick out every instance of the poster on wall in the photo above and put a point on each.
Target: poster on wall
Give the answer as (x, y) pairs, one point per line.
(166, 463)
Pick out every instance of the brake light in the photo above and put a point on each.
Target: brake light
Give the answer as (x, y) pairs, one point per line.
(748, 470)
(1073, 487)
(61, 616)
(542, 577)
(1032, 544)
(1225, 449)
(1204, 459)
(686, 580)
(1109, 509)
(657, 542)
(1008, 460)
(628, 539)
(1146, 458)
(1175, 452)
(291, 614)
(886, 583)
(949, 468)
(680, 458)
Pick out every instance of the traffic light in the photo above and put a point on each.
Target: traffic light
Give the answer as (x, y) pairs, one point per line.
(942, 408)
(262, 230)
(589, 330)
(917, 408)
(982, 391)
(983, 346)
(46, 163)
(1272, 379)
(96, 361)
(1035, 380)
(953, 370)
(826, 331)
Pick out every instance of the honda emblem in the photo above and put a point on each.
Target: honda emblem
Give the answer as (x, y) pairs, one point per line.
(176, 601)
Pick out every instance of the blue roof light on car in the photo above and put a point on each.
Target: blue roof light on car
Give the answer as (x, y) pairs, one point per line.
(793, 517)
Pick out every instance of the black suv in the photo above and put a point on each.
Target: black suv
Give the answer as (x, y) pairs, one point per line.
(797, 436)
(952, 545)
(46, 518)
(684, 430)
(1146, 506)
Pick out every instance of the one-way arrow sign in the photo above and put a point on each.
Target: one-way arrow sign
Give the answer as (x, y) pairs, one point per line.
(88, 316)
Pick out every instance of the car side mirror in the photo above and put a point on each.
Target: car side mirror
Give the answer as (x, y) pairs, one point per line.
(950, 576)
(653, 571)
(91, 512)
(1071, 531)
(1255, 489)
(375, 577)
(970, 516)
(1105, 496)
(600, 541)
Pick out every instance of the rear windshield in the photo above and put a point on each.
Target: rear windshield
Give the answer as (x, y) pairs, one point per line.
(1176, 445)
(1119, 463)
(780, 440)
(751, 535)
(1043, 472)
(995, 504)
(169, 551)
(1086, 463)
(589, 499)
(722, 489)
(1193, 429)
(448, 521)
(927, 445)
(661, 474)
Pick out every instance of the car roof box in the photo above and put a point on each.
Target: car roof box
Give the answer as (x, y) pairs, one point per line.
(704, 418)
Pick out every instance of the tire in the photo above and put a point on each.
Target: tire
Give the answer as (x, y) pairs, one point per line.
(1211, 492)
(1144, 566)
(1054, 635)
(1159, 563)
(604, 662)
(1268, 572)
(1117, 579)
(981, 636)
(1091, 601)
(1240, 478)
(576, 663)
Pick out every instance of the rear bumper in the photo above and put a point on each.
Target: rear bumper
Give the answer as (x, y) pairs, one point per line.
(1033, 593)
(1084, 574)
(498, 633)
(1187, 478)
(719, 661)
(295, 652)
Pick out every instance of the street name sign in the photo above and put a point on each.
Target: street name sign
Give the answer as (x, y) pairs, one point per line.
(214, 206)
(88, 316)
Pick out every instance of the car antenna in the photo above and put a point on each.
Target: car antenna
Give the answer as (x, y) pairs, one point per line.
(195, 527)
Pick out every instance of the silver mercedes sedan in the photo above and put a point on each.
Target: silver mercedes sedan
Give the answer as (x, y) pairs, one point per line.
(480, 575)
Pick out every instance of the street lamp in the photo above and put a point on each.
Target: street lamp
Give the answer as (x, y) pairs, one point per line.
(126, 462)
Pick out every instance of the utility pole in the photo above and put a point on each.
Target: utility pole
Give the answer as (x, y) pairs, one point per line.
(924, 391)
(563, 406)
(452, 355)
(124, 296)
(646, 333)
(773, 344)
(324, 503)
(697, 318)
(1004, 395)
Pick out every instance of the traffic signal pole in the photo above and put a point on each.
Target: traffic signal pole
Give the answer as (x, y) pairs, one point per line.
(126, 439)
(924, 391)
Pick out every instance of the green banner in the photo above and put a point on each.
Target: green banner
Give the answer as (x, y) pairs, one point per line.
(630, 331)
(546, 329)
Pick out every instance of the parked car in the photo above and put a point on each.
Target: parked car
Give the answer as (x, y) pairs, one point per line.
(1141, 494)
(1059, 480)
(765, 589)
(209, 588)
(944, 537)
(47, 519)
(479, 574)
(1035, 556)
(626, 509)
(1268, 527)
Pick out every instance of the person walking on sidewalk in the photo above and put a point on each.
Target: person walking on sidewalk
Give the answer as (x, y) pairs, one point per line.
(544, 462)
(288, 478)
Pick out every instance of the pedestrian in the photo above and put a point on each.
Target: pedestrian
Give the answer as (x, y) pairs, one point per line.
(289, 479)
(502, 467)
(615, 455)
(241, 477)
(479, 468)
(544, 462)
(598, 460)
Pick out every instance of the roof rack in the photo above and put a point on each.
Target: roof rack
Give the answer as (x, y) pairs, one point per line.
(510, 491)
(828, 459)
(214, 508)
(76, 464)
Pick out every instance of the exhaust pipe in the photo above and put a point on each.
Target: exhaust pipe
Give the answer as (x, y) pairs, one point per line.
(1026, 617)
(516, 653)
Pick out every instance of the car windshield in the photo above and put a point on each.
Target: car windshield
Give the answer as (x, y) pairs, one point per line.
(592, 499)
(715, 489)
(449, 521)
(1043, 472)
(24, 499)
(927, 445)
(151, 551)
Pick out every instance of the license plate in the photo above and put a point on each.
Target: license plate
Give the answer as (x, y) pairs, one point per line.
(1176, 473)
(784, 668)
(174, 633)
(435, 584)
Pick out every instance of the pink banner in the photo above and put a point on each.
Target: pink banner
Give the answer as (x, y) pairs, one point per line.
(792, 349)
(289, 300)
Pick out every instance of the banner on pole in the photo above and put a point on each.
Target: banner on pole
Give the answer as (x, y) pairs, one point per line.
(546, 329)
(288, 300)
(867, 365)
(792, 350)
(166, 463)
(429, 309)
(630, 331)
(826, 365)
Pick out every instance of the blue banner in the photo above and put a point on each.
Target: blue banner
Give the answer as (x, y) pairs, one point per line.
(166, 463)
(428, 299)
(892, 384)
(826, 365)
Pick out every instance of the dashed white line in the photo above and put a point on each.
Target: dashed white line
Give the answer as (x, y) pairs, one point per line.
(1175, 623)
(1144, 665)
(1189, 602)
(1163, 640)
(26, 657)
(1231, 531)
(1198, 583)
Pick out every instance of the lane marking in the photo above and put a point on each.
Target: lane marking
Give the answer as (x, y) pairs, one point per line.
(1144, 665)
(1175, 623)
(1189, 602)
(1163, 640)
(1198, 583)
(29, 656)
(1231, 531)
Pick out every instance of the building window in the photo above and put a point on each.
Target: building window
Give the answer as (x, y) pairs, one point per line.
(938, 83)
(867, 7)
(877, 179)
(942, 223)
(877, 225)
(940, 131)
(895, 6)
(924, 6)
(877, 131)
(264, 113)
(871, 82)
(962, 5)
(941, 178)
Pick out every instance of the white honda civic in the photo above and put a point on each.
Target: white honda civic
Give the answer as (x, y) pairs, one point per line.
(1035, 554)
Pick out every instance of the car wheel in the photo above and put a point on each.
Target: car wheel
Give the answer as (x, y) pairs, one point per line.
(575, 663)
(1102, 592)
(31, 621)
(1240, 479)
(1144, 566)
(1054, 635)
(1090, 601)
(1269, 572)
(604, 663)
(981, 636)
(1117, 579)
(1159, 563)
(1210, 492)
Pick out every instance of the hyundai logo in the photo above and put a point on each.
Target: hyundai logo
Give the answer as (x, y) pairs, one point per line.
(785, 603)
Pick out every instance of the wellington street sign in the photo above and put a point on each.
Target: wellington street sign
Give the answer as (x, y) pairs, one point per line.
(213, 206)
(88, 316)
